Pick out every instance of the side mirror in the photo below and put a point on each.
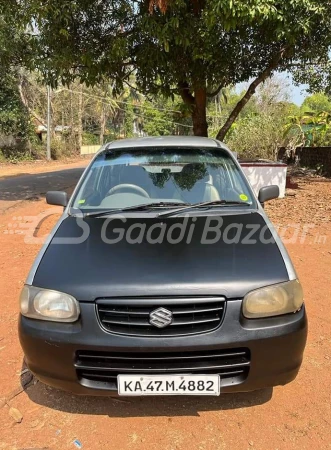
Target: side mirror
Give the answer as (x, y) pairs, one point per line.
(268, 193)
(57, 198)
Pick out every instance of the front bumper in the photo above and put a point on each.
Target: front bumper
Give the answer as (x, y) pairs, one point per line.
(275, 346)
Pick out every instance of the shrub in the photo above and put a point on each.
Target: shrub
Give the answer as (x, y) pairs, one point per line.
(256, 136)
(90, 139)
(16, 152)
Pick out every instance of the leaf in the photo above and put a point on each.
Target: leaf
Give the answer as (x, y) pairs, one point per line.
(16, 415)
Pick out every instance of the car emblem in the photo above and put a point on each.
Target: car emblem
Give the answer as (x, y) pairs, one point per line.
(160, 317)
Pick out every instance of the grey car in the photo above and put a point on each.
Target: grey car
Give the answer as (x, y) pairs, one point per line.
(163, 276)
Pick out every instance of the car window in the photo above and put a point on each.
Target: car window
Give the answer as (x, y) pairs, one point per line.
(120, 178)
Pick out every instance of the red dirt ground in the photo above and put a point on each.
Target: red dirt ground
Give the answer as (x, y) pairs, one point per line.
(297, 416)
(40, 166)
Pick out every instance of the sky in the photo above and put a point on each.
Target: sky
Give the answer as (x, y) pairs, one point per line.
(296, 94)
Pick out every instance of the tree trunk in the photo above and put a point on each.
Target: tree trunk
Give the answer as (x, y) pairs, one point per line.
(102, 124)
(250, 92)
(79, 119)
(199, 118)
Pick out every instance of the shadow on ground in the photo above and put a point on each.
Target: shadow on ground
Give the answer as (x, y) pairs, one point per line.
(23, 187)
(142, 406)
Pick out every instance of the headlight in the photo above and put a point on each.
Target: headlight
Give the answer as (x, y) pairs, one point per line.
(45, 304)
(273, 300)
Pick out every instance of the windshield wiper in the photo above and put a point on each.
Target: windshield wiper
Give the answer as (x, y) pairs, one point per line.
(141, 207)
(203, 205)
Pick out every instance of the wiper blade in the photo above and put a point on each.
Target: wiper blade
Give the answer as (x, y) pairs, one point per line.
(141, 207)
(203, 205)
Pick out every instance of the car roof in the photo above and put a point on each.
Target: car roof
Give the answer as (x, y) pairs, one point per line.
(166, 141)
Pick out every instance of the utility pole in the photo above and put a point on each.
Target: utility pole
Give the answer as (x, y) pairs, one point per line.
(48, 152)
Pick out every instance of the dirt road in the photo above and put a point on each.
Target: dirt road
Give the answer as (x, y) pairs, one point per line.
(297, 416)
(36, 181)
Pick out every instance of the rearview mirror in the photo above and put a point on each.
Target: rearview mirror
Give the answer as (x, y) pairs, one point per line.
(57, 198)
(268, 193)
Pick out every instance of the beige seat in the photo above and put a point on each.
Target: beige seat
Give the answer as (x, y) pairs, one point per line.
(202, 190)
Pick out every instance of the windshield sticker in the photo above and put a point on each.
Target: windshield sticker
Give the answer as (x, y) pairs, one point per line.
(243, 197)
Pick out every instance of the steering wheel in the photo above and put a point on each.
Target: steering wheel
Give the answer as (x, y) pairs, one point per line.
(127, 188)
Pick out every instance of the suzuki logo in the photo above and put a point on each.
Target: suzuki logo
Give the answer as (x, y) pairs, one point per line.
(160, 317)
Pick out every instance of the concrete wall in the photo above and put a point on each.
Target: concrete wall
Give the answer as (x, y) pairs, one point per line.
(311, 157)
(260, 175)
(89, 149)
(315, 156)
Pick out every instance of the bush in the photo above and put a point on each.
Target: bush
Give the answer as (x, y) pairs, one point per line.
(256, 136)
(90, 139)
(38, 150)
(2, 157)
(60, 149)
(111, 136)
(16, 153)
(322, 139)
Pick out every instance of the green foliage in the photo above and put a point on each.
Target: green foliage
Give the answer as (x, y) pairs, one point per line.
(189, 46)
(61, 149)
(323, 139)
(164, 117)
(317, 76)
(317, 103)
(256, 136)
(2, 157)
(15, 126)
(157, 122)
(14, 118)
(260, 133)
(90, 139)
(57, 149)
(16, 43)
(259, 128)
(310, 129)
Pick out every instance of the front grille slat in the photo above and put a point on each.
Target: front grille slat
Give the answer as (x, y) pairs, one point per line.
(117, 322)
(133, 313)
(190, 315)
(230, 364)
(178, 369)
(156, 357)
(193, 322)
(197, 311)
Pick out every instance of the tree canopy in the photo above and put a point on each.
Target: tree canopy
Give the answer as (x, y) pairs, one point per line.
(318, 103)
(193, 48)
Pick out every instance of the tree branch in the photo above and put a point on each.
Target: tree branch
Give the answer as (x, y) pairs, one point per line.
(250, 92)
(216, 92)
(185, 93)
(25, 102)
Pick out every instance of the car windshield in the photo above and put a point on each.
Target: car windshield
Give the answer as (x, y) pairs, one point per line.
(164, 176)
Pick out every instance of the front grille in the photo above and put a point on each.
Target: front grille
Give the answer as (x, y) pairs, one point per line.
(131, 316)
(100, 369)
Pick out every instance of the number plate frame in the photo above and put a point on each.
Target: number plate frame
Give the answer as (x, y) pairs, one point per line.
(170, 384)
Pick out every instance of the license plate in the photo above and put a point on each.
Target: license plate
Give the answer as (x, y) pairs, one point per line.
(168, 384)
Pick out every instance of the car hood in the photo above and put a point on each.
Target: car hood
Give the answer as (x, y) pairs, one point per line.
(90, 268)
